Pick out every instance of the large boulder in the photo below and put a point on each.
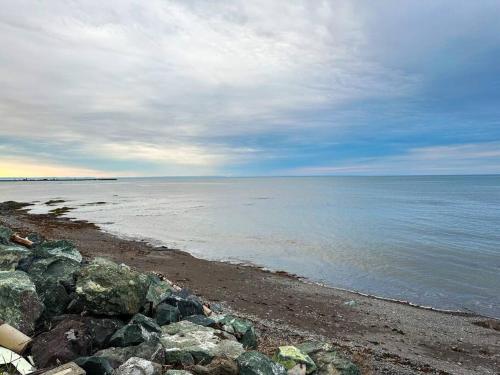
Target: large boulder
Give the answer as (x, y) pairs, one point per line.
(328, 360)
(131, 334)
(108, 288)
(146, 322)
(152, 351)
(60, 248)
(139, 366)
(202, 343)
(243, 329)
(11, 255)
(290, 356)
(20, 305)
(52, 276)
(101, 330)
(66, 341)
(255, 363)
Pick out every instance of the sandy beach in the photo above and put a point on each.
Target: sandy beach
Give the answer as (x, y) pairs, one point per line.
(382, 337)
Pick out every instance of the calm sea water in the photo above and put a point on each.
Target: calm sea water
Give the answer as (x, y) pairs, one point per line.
(434, 241)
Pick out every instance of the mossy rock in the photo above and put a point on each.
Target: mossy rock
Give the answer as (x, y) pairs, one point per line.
(290, 356)
(107, 288)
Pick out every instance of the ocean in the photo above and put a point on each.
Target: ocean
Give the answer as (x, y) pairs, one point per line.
(430, 240)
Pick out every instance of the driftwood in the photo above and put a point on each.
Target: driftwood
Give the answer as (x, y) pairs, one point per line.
(12, 339)
(22, 241)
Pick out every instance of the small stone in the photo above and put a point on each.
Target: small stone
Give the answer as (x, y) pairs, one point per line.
(255, 363)
(290, 356)
(20, 305)
(95, 365)
(222, 366)
(139, 366)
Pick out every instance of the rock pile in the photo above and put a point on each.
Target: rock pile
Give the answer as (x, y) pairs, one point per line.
(101, 317)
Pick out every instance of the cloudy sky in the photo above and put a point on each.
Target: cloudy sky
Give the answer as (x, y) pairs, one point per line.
(282, 87)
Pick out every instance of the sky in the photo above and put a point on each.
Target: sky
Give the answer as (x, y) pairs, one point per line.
(244, 88)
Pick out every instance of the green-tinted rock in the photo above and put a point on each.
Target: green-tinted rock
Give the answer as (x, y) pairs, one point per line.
(151, 350)
(11, 255)
(178, 357)
(146, 322)
(187, 303)
(290, 356)
(61, 248)
(178, 372)
(5, 234)
(51, 275)
(334, 363)
(166, 314)
(158, 290)
(139, 366)
(95, 365)
(201, 320)
(131, 334)
(20, 305)
(201, 342)
(255, 363)
(328, 361)
(243, 330)
(107, 288)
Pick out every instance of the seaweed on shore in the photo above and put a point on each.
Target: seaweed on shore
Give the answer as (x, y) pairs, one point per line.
(60, 211)
(53, 202)
(13, 206)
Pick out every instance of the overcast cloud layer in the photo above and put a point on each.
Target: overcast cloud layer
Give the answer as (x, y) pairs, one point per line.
(249, 87)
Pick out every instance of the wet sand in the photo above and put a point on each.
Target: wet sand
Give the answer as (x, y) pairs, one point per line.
(382, 337)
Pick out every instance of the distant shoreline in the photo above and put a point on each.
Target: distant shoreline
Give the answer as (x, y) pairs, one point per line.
(57, 179)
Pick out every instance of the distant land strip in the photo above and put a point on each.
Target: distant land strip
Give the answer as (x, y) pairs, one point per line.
(58, 179)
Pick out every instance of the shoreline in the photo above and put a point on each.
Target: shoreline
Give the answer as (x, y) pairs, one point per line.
(381, 335)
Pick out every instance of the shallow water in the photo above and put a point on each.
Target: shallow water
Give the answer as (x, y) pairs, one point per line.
(434, 241)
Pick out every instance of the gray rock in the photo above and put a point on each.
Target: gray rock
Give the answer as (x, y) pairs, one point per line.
(158, 290)
(202, 343)
(139, 366)
(166, 314)
(107, 288)
(11, 255)
(178, 372)
(95, 365)
(152, 351)
(20, 305)
(255, 363)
